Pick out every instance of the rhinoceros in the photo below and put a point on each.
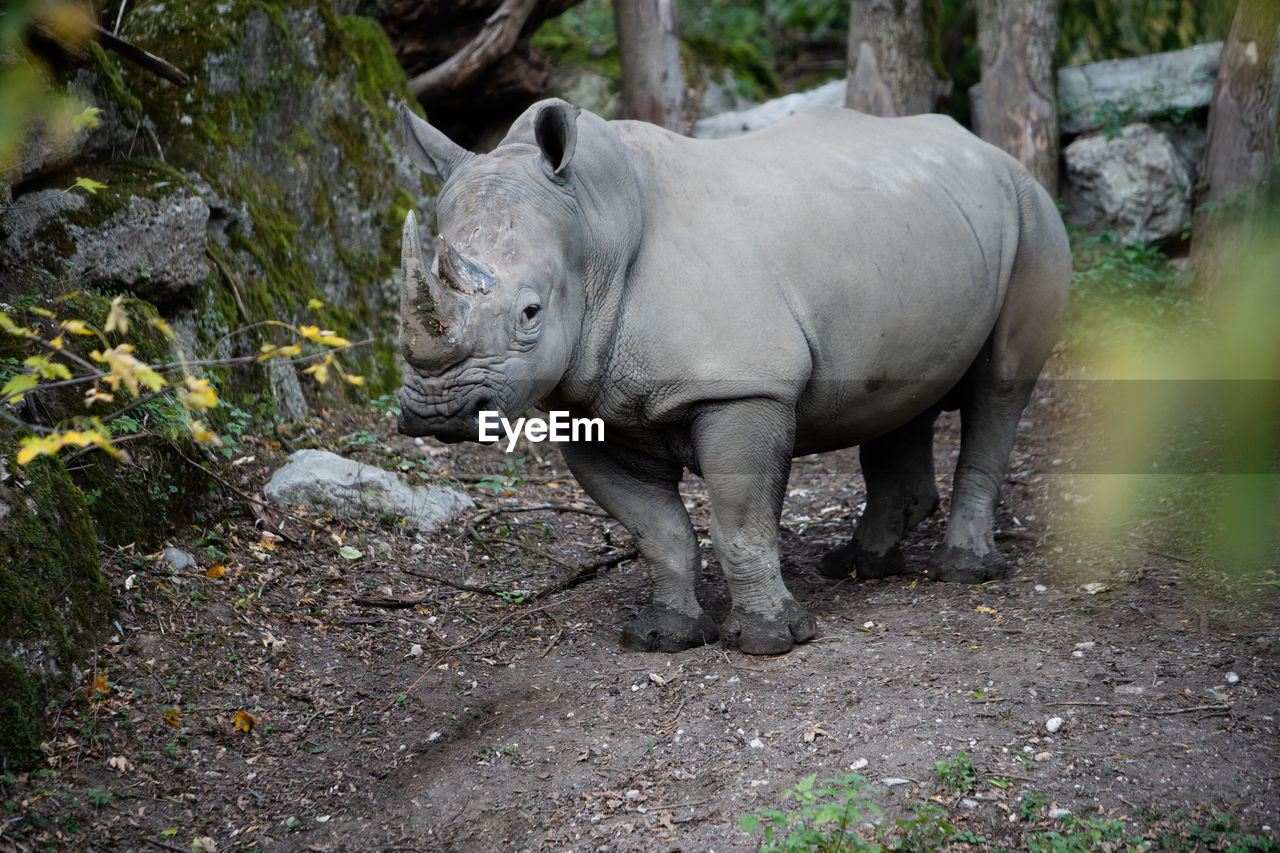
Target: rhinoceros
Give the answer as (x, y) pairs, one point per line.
(724, 306)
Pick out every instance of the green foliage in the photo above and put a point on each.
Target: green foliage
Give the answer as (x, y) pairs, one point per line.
(826, 817)
(1120, 288)
(957, 773)
(1030, 804)
(1092, 30)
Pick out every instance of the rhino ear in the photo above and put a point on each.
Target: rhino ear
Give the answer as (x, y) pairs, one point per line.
(556, 131)
(429, 149)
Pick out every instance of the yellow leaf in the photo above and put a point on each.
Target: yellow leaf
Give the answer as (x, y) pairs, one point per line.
(46, 368)
(314, 303)
(267, 544)
(96, 395)
(165, 328)
(324, 336)
(245, 721)
(12, 328)
(116, 317)
(216, 571)
(88, 117)
(89, 185)
(77, 327)
(124, 368)
(101, 686)
(353, 379)
(287, 351)
(17, 387)
(320, 370)
(203, 435)
(43, 312)
(56, 343)
(172, 716)
(33, 446)
(982, 609)
(200, 395)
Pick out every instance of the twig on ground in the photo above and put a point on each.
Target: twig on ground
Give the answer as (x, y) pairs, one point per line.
(1193, 709)
(1095, 704)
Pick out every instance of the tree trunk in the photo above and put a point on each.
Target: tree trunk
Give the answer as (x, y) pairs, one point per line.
(895, 65)
(1241, 140)
(653, 87)
(1019, 109)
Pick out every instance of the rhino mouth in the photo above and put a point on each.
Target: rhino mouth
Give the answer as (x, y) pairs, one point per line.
(462, 425)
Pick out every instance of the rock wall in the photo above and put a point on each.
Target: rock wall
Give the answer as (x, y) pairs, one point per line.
(275, 178)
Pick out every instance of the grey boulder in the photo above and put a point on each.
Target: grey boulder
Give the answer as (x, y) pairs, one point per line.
(736, 123)
(1137, 185)
(349, 489)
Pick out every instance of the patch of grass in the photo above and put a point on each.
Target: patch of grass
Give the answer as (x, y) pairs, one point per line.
(957, 774)
(825, 818)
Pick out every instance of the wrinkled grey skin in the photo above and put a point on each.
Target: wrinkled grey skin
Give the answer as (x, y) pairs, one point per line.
(725, 305)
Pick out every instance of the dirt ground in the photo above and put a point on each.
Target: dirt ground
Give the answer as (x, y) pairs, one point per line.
(467, 690)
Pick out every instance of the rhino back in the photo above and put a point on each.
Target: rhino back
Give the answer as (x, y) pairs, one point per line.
(827, 258)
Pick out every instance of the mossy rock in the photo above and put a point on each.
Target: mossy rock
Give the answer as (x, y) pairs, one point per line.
(54, 601)
(290, 133)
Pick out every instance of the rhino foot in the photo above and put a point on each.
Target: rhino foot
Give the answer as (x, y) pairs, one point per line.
(661, 629)
(756, 635)
(855, 560)
(957, 565)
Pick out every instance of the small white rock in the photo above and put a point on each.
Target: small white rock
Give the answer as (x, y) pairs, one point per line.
(1086, 645)
(868, 625)
(1232, 678)
(859, 764)
(434, 736)
(1042, 756)
(1053, 724)
(756, 743)
(893, 780)
(1041, 588)
(969, 803)
(1059, 814)
(1130, 689)
(415, 650)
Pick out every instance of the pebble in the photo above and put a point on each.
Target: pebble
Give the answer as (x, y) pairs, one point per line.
(1086, 645)
(1130, 689)
(1041, 588)
(1053, 724)
(859, 764)
(1042, 756)
(1232, 678)
(756, 743)
(417, 442)
(177, 559)
(969, 803)
(1059, 814)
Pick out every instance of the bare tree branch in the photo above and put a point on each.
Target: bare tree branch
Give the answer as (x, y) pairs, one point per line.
(495, 40)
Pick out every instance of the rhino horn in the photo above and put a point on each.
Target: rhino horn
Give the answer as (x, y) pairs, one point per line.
(429, 149)
(458, 272)
(421, 328)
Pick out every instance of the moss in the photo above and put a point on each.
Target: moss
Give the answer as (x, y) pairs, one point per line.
(21, 721)
(53, 599)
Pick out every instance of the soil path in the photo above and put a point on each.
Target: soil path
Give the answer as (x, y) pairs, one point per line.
(467, 692)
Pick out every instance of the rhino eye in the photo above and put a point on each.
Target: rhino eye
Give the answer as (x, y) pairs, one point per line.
(532, 311)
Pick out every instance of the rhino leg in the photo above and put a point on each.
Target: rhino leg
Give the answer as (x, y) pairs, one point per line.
(996, 389)
(744, 449)
(642, 493)
(901, 492)
(988, 419)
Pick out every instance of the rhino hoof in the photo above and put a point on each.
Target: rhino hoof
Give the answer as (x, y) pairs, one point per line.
(957, 565)
(757, 635)
(864, 565)
(661, 629)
